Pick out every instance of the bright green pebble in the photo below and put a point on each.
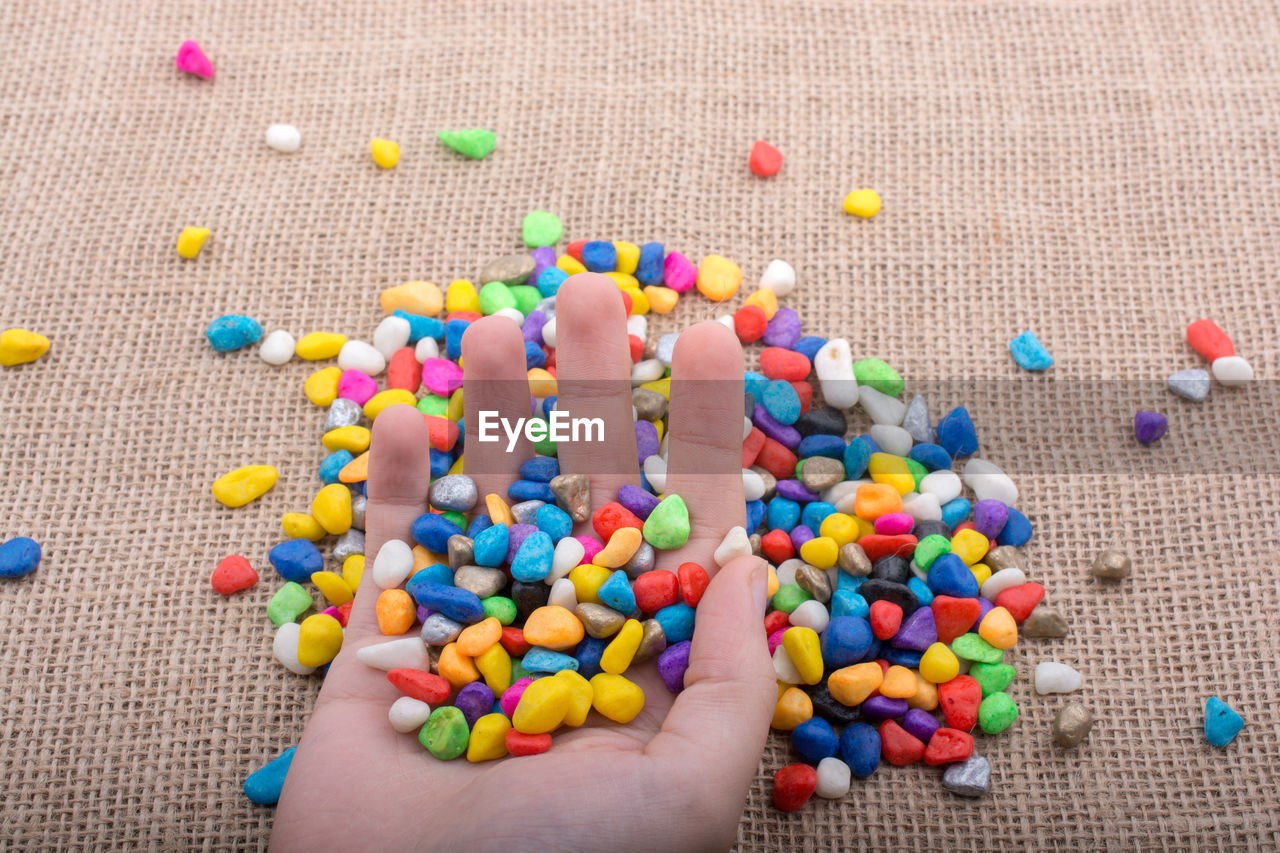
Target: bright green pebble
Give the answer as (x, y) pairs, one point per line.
(667, 527)
(931, 548)
(996, 713)
(289, 602)
(544, 446)
(789, 597)
(877, 374)
(445, 733)
(456, 517)
(495, 296)
(917, 470)
(527, 298)
(433, 405)
(499, 607)
(518, 671)
(541, 228)
(475, 143)
(992, 677)
(974, 648)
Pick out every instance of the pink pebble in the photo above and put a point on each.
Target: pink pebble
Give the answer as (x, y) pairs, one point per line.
(330, 611)
(441, 376)
(511, 698)
(357, 386)
(775, 639)
(894, 523)
(591, 545)
(192, 60)
(678, 273)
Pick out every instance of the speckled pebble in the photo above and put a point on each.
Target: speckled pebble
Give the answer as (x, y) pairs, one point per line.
(1192, 384)
(969, 778)
(1045, 623)
(1071, 724)
(1112, 565)
(455, 492)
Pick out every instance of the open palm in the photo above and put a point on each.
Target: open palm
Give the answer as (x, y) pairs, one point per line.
(676, 776)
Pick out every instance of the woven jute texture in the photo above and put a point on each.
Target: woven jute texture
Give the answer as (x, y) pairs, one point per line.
(1100, 172)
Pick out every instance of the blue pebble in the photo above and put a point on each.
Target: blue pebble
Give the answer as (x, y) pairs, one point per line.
(265, 784)
(479, 524)
(553, 521)
(296, 560)
(441, 461)
(872, 653)
(956, 432)
(924, 595)
(754, 384)
(830, 446)
(782, 514)
(870, 442)
(932, 456)
(436, 573)
(1221, 723)
(549, 281)
(616, 592)
(846, 581)
(860, 749)
(544, 660)
(530, 490)
(532, 562)
(814, 513)
(453, 332)
(677, 622)
(650, 266)
(533, 356)
(19, 556)
(950, 576)
(755, 515)
(955, 511)
(458, 604)
(233, 331)
(781, 401)
(856, 458)
(432, 531)
(1030, 353)
(588, 655)
(540, 469)
(901, 657)
(332, 464)
(420, 325)
(1016, 530)
(548, 406)
(845, 640)
(809, 345)
(846, 602)
(600, 256)
(814, 740)
(489, 547)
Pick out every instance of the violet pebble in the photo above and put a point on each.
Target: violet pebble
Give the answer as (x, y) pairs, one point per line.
(1149, 427)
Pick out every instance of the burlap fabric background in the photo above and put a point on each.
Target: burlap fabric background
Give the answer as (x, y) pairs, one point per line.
(1100, 172)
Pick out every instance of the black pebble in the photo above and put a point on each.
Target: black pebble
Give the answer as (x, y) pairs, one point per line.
(822, 420)
(749, 405)
(928, 528)
(529, 597)
(891, 568)
(876, 589)
(826, 707)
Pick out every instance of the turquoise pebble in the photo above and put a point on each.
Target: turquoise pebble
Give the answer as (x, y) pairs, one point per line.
(19, 556)
(754, 383)
(924, 595)
(532, 562)
(616, 593)
(544, 660)
(846, 602)
(955, 511)
(1221, 723)
(553, 521)
(1030, 353)
(549, 281)
(781, 401)
(233, 331)
(490, 547)
(333, 464)
(677, 622)
(264, 785)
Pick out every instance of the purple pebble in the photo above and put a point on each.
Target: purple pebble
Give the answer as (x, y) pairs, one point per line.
(783, 330)
(800, 534)
(917, 632)
(920, 724)
(474, 701)
(637, 500)
(989, 517)
(647, 443)
(794, 490)
(423, 613)
(882, 707)
(516, 536)
(787, 436)
(543, 258)
(533, 326)
(1150, 427)
(672, 663)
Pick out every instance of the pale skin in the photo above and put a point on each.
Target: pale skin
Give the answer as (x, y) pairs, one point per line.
(676, 777)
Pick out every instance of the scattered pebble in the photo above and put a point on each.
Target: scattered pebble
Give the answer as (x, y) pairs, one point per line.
(385, 152)
(19, 346)
(1208, 339)
(1149, 427)
(1044, 623)
(192, 240)
(284, 138)
(765, 160)
(244, 485)
(1029, 353)
(264, 785)
(1221, 723)
(192, 60)
(969, 778)
(277, 348)
(540, 228)
(1071, 724)
(862, 203)
(474, 143)
(1054, 677)
(1192, 383)
(232, 575)
(1231, 370)
(1112, 564)
(18, 557)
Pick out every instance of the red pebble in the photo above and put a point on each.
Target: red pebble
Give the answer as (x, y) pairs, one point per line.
(898, 746)
(749, 323)
(344, 613)
(884, 666)
(954, 616)
(574, 250)
(550, 366)
(964, 525)
(693, 582)
(656, 590)
(777, 546)
(626, 302)
(947, 746)
(232, 575)
(793, 785)
(1020, 600)
(877, 545)
(779, 363)
(637, 347)
(610, 517)
(1209, 340)
(776, 621)
(751, 447)
(775, 458)
(959, 699)
(403, 371)
(805, 392)
(519, 743)
(423, 686)
(442, 433)
(885, 619)
(513, 641)
(469, 316)
(765, 160)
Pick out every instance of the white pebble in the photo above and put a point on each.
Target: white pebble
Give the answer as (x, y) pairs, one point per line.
(392, 334)
(787, 569)
(405, 653)
(358, 355)
(943, 485)
(563, 594)
(1231, 370)
(834, 778)
(284, 137)
(964, 666)
(549, 332)
(752, 485)
(1002, 580)
(833, 494)
(834, 366)
(988, 482)
(426, 348)
(408, 714)
(647, 370)
(848, 501)
(811, 614)
(726, 320)
(511, 314)
(881, 408)
(567, 555)
(393, 563)
(923, 574)
(892, 439)
(277, 348)
(779, 276)
(784, 668)
(747, 426)
(285, 648)
(922, 507)
(734, 544)
(655, 471)
(1054, 677)
(638, 325)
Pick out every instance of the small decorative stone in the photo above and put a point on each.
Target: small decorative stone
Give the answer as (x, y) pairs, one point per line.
(454, 491)
(462, 551)
(599, 621)
(359, 503)
(770, 481)
(1003, 557)
(440, 630)
(653, 641)
(969, 778)
(508, 269)
(1149, 427)
(643, 560)
(650, 405)
(665, 351)
(755, 539)
(852, 560)
(1221, 722)
(1044, 622)
(1071, 724)
(573, 495)
(342, 413)
(916, 420)
(480, 580)
(284, 138)
(1055, 677)
(348, 544)
(1112, 565)
(821, 472)
(541, 228)
(1192, 384)
(529, 597)
(476, 143)
(815, 582)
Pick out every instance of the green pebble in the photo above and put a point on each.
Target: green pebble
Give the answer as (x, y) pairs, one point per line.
(499, 607)
(475, 143)
(541, 228)
(518, 671)
(667, 527)
(996, 713)
(789, 597)
(917, 470)
(527, 298)
(972, 647)
(289, 602)
(877, 374)
(545, 446)
(992, 677)
(456, 517)
(931, 548)
(433, 405)
(495, 296)
(800, 469)
(445, 734)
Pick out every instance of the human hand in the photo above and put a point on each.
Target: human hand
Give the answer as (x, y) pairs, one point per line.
(675, 777)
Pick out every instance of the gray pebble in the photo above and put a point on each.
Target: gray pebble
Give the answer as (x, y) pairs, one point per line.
(462, 551)
(481, 580)
(854, 561)
(666, 348)
(1192, 383)
(643, 560)
(440, 630)
(359, 503)
(916, 420)
(508, 269)
(526, 512)
(650, 405)
(814, 581)
(1071, 724)
(1044, 622)
(1112, 565)
(755, 539)
(342, 413)
(968, 778)
(652, 642)
(770, 482)
(349, 543)
(821, 472)
(454, 491)
(1003, 557)
(573, 495)
(547, 306)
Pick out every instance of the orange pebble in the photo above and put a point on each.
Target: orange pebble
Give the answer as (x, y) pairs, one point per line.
(873, 500)
(499, 512)
(852, 685)
(999, 629)
(793, 708)
(456, 668)
(926, 695)
(899, 683)
(355, 471)
(396, 611)
(553, 628)
(476, 639)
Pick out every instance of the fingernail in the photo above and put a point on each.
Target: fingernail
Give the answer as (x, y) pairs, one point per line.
(759, 584)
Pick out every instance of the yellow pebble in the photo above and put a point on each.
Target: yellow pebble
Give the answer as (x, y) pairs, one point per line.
(541, 383)
(455, 667)
(415, 297)
(319, 640)
(553, 628)
(939, 664)
(998, 628)
(495, 665)
(332, 587)
(764, 299)
(969, 545)
(899, 683)
(355, 471)
(615, 697)
(865, 527)
(617, 656)
(386, 399)
(793, 708)
(853, 684)
(981, 571)
(891, 470)
(639, 302)
(624, 280)
(18, 346)
(476, 639)
(570, 264)
(332, 508)
(321, 387)
(317, 346)
(926, 698)
(622, 546)
(718, 278)
(661, 386)
(385, 152)
(499, 512)
(864, 203)
(840, 528)
(192, 240)
(587, 580)
(453, 410)
(488, 738)
(628, 256)
(353, 570)
(662, 300)
(456, 467)
(543, 706)
(774, 584)
(396, 612)
(352, 438)
(461, 295)
(803, 649)
(244, 485)
(302, 525)
(820, 551)
(580, 696)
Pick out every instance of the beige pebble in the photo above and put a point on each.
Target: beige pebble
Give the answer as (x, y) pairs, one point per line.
(853, 560)
(652, 642)
(1071, 724)
(1112, 565)
(1044, 622)
(573, 495)
(1003, 557)
(814, 581)
(599, 621)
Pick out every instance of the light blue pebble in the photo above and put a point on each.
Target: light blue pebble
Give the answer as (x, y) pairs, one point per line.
(856, 458)
(781, 401)
(533, 558)
(436, 573)
(1221, 723)
(782, 514)
(815, 513)
(332, 464)
(19, 556)
(264, 785)
(754, 383)
(554, 522)
(233, 331)
(550, 279)
(846, 581)
(538, 659)
(846, 602)
(491, 546)
(420, 325)
(1030, 353)
(955, 511)
(924, 595)
(616, 592)
(677, 622)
